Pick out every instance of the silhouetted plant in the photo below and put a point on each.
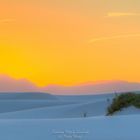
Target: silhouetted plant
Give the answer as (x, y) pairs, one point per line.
(123, 100)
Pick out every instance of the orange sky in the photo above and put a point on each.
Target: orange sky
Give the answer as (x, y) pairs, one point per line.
(70, 42)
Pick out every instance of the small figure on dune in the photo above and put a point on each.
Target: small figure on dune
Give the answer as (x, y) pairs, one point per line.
(85, 115)
(108, 100)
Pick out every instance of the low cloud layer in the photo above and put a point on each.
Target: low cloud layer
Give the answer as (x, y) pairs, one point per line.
(8, 84)
(113, 37)
(120, 14)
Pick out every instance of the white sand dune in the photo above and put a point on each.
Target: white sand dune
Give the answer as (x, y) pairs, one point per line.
(64, 107)
(26, 95)
(49, 117)
(62, 111)
(19, 105)
(79, 98)
(128, 111)
(98, 128)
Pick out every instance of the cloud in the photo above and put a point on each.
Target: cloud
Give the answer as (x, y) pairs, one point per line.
(9, 84)
(6, 20)
(113, 37)
(120, 14)
(95, 88)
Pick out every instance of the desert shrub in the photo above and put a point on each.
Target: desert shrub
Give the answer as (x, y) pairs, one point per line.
(123, 100)
(136, 101)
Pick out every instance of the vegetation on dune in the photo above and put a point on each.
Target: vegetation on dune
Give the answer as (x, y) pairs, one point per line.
(122, 101)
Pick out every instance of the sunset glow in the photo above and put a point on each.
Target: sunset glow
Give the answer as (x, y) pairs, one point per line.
(68, 42)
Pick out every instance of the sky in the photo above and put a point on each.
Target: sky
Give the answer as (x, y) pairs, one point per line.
(68, 42)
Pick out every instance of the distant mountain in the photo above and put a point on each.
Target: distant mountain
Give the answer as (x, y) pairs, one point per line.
(8, 84)
(100, 87)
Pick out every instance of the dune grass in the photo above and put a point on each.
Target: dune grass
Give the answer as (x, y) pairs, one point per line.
(122, 101)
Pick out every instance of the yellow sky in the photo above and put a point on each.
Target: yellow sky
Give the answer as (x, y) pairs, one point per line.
(70, 42)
